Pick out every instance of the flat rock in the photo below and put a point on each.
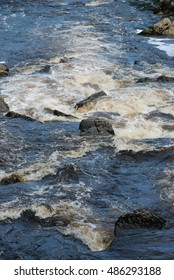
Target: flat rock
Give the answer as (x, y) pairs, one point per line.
(90, 102)
(12, 114)
(96, 126)
(59, 113)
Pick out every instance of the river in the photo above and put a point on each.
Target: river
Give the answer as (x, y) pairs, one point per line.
(59, 53)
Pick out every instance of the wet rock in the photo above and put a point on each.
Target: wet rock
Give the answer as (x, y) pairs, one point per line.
(166, 7)
(163, 27)
(90, 102)
(12, 114)
(12, 179)
(140, 218)
(159, 115)
(69, 173)
(29, 215)
(3, 70)
(96, 126)
(59, 113)
(3, 106)
(45, 69)
(55, 220)
(160, 79)
(168, 127)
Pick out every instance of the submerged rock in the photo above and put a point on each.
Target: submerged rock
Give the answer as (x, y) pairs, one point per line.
(30, 216)
(3, 70)
(68, 173)
(45, 69)
(59, 113)
(90, 102)
(12, 114)
(160, 79)
(140, 218)
(163, 27)
(3, 106)
(12, 179)
(96, 126)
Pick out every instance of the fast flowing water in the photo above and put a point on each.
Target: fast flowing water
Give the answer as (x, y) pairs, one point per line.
(79, 186)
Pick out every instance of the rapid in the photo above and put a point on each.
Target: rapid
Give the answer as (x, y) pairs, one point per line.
(59, 53)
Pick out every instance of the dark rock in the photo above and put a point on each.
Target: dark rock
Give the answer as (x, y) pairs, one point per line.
(160, 79)
(68, 174)
(159, 115)
(140, 218)
(90, 101)
(45, 69)
(3, 106)
(96, 126)
(29, 215)
(166, 7)
(163, 27)
(12, 114)
(12, 179)
(59, 113)
(168, 127)
(164, 79)
(3, 70)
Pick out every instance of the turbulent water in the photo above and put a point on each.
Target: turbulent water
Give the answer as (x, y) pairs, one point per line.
(59, 53)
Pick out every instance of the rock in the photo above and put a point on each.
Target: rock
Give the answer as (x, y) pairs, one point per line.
(140, 218)
(59, 113)
(12, 179)
(29, 215)
(3, 70)
(68, 174)
(3, 106)
(160, 79)
(166, 7)
(45, 69)
(12, 114)
(163, 27)
(96, 126)
(90, 101)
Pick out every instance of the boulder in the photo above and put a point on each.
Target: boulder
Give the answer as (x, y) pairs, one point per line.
(3, 70)
(3, 106)
(96, 126)
(90, 102)
(161, 28)
(12, 179)
(166, 7)
(140, 218)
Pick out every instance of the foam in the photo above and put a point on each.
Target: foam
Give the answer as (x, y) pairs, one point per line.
(166, 45)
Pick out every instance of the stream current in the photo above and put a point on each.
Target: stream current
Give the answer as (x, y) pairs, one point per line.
(59, 53)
